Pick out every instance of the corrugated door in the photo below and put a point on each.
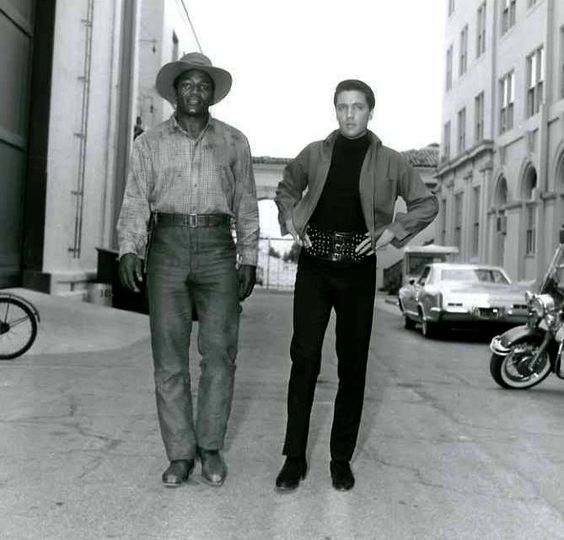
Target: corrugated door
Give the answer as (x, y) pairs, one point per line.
(16, 35)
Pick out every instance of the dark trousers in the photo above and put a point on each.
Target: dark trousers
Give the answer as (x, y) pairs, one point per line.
(193, 269)
(349, 289)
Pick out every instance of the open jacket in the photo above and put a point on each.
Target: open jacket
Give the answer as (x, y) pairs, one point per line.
(385, 176)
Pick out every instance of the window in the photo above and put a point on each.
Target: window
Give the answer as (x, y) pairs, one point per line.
(474, 275)
(443, 220)
(446, 142)
(481, 31)
(507, 14)
(562, 62)
(530, 232)
(476, 222)
(479, 118)
(450, 7)
(531, 3)
(463, 64)
(458, 221)
(535, 77)
(461, 130)
(449, 69)
(507, 95)
(423, 277)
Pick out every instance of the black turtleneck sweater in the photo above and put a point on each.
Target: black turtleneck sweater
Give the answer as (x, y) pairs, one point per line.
(339, 208)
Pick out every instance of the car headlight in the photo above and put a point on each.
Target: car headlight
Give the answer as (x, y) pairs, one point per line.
(541, 304)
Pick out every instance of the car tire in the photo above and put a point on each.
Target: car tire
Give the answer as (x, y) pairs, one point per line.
(429, 329)
(408, 324)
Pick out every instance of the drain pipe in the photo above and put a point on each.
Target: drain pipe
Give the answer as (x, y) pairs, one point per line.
(78, 192)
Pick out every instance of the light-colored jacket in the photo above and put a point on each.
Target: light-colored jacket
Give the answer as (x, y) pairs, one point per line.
(385, 176)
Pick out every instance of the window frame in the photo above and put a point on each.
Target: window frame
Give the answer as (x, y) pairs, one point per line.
(507, 102)
(479, 118)
(481, 30)
(535, 81)
(463, 52)
(461, 130)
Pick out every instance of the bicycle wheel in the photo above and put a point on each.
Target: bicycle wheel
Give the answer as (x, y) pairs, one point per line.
(18, 328)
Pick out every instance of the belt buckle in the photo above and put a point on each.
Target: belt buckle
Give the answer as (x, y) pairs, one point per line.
(193, 221)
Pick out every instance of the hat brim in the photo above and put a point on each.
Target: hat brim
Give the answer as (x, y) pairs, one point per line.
(165, 80)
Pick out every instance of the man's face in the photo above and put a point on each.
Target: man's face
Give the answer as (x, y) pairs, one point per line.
(194, 92)
(352, 113)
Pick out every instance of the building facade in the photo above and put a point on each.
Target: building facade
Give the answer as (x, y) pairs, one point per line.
(76, 74)
(501, 171)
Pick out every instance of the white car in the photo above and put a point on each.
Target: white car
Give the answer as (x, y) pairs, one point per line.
(464, 295)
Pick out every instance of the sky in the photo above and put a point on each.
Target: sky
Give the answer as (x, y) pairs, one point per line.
(287, 56)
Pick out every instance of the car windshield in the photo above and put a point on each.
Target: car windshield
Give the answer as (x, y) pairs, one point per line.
(474, 275)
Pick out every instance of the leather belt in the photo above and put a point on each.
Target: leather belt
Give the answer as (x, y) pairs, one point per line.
(193, 221)
(334, 246)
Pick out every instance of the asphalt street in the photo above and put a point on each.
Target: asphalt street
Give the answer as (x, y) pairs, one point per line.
(443, 453)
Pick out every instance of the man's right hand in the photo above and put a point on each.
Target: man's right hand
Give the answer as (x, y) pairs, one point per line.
(130, 271)
(305, 242)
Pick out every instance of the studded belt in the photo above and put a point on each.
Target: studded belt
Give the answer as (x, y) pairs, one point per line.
(334, 246)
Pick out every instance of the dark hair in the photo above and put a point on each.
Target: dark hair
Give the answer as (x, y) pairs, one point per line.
(355, 84)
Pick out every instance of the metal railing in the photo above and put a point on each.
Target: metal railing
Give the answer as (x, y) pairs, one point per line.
(277, 263)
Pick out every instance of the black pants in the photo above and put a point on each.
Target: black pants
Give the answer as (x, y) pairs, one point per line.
(349, 289)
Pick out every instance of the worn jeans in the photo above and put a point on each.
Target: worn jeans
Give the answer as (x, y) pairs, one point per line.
(320, 287)
(193, 268)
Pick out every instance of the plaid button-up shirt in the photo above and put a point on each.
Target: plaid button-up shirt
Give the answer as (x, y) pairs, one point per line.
(173, 173)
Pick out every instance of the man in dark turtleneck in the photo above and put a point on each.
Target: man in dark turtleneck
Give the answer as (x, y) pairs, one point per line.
(337, 200)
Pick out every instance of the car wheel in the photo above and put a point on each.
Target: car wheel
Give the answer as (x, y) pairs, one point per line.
(429, 329)
(408, 324)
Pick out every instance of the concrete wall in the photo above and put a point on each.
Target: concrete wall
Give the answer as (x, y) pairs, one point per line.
(81, 134)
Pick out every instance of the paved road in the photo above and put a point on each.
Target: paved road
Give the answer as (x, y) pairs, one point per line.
(443, 453)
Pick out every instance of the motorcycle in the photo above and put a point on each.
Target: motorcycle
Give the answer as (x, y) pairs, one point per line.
(525, 355)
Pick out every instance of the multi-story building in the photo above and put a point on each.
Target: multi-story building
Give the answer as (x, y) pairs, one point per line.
(76, 74)
(501, 172)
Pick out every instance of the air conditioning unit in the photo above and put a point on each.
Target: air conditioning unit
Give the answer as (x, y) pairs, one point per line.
(501, 224)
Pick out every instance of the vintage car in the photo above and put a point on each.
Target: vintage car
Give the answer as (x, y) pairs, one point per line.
(464, 295)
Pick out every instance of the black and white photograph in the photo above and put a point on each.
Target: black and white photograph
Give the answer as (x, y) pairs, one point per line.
(286, 270)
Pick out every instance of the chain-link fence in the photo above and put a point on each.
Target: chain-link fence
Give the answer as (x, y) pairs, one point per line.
(277, 263)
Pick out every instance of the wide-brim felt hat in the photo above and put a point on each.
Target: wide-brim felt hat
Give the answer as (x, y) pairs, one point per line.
(169, 72)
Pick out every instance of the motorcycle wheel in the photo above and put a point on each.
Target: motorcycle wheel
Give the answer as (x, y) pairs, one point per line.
(514, 370)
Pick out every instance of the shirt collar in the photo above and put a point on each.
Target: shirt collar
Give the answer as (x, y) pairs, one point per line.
(173, 126)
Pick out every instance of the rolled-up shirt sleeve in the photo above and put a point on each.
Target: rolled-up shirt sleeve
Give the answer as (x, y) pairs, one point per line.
(135, 210)
(245, 206)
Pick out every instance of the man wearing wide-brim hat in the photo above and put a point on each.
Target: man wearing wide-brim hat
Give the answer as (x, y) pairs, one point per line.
(190, 177)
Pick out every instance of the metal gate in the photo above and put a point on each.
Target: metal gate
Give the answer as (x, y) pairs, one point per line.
(16, 36)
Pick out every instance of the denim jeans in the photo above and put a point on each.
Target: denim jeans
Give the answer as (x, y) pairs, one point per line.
(320, 287)
(193, 268)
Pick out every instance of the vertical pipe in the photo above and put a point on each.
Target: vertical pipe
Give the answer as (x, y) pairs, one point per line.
(83, 133)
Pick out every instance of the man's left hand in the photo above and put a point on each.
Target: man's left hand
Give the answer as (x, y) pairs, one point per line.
(365, 247)
(247, 279)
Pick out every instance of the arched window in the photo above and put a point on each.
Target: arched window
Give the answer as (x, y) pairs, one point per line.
(500, 197)
(529, 184)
